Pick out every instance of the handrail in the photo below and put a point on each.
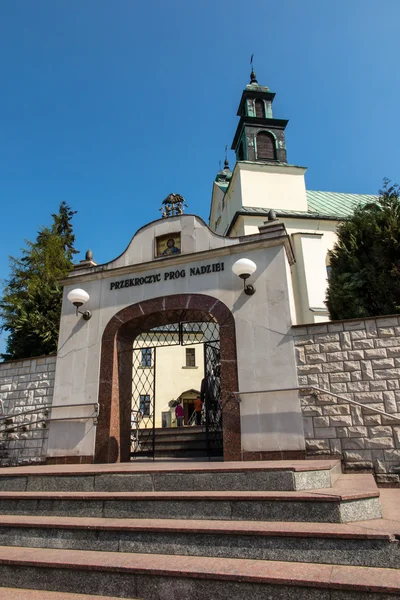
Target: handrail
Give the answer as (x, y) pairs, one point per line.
(12, 453)
(73, 405)
(192, 419)
(12, 427)
(305, 388)
(47, 407)
(291, 389)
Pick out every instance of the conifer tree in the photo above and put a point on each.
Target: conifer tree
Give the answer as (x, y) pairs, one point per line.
(365, 262)
(30, 305)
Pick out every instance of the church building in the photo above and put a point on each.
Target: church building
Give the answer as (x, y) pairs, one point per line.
(264, 185)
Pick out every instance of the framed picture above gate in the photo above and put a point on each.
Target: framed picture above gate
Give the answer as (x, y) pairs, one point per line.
(167, 245)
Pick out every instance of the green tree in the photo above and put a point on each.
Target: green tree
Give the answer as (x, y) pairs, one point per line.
(365, 262)
(30, 305)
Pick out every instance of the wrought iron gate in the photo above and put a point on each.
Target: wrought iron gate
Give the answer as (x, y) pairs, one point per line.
(213, 399)
(143, 401)
(143, 409)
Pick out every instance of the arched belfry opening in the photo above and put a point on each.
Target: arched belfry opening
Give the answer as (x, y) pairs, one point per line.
(129, 332)
(265, 146)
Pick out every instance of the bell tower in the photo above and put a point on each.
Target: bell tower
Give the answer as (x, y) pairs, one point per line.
(259, 137)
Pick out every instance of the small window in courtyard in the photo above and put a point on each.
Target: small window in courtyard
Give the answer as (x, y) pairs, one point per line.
(145, 405)
(146, 357)
(190, 357)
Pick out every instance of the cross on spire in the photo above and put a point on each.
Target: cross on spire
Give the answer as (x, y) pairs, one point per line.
(253, 76)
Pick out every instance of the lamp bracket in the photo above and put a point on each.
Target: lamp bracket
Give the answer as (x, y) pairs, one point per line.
(249, 290)
(86, 315)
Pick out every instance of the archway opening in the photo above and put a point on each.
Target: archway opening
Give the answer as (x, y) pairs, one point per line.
(176, 409)
(113, 435)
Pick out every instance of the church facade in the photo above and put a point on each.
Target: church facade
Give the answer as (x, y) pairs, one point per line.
(264, 183)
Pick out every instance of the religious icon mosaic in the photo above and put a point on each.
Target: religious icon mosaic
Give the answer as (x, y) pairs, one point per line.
(168, 245)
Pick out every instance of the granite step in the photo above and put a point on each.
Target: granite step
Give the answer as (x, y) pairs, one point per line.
(26, 594)
(166, 432)
(341, 544)
(352, 498)
(174, 445)
(186, 436)
(177, 476)
(158, 576)
(184, 453)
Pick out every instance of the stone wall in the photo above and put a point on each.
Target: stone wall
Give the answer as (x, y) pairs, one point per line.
(25, 385)
(359, 360)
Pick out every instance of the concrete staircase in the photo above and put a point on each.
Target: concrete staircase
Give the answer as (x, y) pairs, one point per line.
(181, 442)
(194, 530)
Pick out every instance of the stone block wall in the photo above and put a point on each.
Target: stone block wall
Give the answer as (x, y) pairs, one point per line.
(359, 360)
(25, 385)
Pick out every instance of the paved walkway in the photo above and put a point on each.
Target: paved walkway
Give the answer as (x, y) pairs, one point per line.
(390, 502)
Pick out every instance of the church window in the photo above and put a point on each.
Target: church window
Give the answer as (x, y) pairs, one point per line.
(241, 152)
(265, 146)
(146, 357)
(260, 110)
(190, 357)
(144, 405)
(217, 222)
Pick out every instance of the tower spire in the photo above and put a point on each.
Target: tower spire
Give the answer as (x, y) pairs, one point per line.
(224, 175)
(253, 76)
(259, 137)
(226, 162)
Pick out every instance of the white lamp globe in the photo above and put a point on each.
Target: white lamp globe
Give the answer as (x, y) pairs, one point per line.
(78, 297)
(244, 267)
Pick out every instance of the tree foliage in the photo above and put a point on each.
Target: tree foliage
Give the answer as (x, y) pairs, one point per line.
(365, 262)
(30, 305)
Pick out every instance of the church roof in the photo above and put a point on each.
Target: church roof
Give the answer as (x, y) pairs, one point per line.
(336, 204)
(321, 205)
(295, 214)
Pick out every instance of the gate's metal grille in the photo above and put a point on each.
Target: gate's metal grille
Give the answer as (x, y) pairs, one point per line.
(144, 382)
(199, 332)
(213, 401)
(143, 400)
(166, 335)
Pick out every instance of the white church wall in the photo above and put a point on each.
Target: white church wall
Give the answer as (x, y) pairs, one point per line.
(291, 290)
(311, 240)
(266, 359)
(273, 186)
(232, 204)
(216, 208)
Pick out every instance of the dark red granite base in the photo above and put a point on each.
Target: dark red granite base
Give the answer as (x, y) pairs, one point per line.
(113, 429)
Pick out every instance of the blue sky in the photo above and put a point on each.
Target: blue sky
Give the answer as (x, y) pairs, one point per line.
(113, 104)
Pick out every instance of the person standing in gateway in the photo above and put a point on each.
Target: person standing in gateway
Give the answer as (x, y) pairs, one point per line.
(179, 413)
(198, 407)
